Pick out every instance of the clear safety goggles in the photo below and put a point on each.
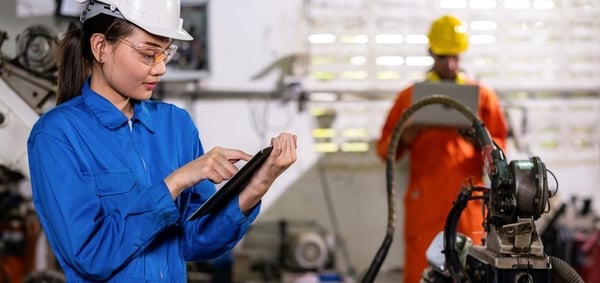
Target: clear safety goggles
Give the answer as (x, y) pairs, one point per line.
(151, 55)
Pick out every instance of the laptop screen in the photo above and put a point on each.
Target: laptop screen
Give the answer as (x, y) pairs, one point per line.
(443, 115)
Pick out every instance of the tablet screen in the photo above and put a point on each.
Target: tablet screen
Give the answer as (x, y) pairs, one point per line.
(234, 186)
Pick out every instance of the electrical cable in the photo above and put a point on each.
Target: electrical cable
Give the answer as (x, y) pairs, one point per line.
(260, 120)
(390, 160)
(334, 222)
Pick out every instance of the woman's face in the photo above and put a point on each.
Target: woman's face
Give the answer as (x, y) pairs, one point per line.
(131, 66)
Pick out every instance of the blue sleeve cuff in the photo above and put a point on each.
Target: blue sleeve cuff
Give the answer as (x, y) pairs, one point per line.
(165, 211)
(235, 214)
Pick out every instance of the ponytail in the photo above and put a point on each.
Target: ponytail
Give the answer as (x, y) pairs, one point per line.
(73, 66)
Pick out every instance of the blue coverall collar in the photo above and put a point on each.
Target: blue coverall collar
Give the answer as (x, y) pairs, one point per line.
(109, 115)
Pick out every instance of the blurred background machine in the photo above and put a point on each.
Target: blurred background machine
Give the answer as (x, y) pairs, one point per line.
(286, 251)
(572, 232)
(27, 85)
(26, 90)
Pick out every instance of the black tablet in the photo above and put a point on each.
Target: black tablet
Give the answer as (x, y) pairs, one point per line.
(234, 186)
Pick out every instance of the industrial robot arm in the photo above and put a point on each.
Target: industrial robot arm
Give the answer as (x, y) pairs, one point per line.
(513, 250)
(518, 195)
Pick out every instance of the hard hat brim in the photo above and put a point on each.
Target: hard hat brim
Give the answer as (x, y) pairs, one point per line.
(179, 35)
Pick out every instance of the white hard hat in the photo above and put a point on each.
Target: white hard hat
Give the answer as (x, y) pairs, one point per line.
(158, 17)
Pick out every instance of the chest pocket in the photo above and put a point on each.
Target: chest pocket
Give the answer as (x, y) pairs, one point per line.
(116, 190)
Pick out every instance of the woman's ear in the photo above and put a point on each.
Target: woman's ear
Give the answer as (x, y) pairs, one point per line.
(98, 45)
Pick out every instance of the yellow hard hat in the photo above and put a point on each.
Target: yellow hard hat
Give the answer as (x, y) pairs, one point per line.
(448, 36)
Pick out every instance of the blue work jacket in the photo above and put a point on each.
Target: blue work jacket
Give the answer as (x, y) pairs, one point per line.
(98, 189)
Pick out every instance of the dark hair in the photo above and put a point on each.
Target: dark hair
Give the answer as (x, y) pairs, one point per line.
(75, 56)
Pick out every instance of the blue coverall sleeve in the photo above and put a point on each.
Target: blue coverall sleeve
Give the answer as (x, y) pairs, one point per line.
(94, 240)
(211, 236)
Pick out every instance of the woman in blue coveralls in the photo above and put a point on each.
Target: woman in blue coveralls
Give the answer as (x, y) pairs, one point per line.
(114, 174)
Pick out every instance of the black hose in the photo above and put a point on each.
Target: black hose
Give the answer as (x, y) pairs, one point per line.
(564, 272)
(450, 231)
(391, 159)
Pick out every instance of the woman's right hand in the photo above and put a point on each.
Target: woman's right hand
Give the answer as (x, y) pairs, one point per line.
(217, 165)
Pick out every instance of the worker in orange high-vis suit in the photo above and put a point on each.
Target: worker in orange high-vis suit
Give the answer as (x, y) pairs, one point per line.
(440, 158)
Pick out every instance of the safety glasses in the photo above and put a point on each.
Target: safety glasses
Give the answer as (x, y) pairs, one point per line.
(150, 55)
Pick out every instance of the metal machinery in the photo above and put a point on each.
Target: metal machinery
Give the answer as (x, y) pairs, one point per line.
(513, 251)
(26, 88)
(28, 82)
(518, 195)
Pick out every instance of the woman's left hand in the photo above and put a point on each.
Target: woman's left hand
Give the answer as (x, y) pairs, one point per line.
(282, 156)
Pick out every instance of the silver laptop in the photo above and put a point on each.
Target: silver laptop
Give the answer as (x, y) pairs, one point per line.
(442, 115)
